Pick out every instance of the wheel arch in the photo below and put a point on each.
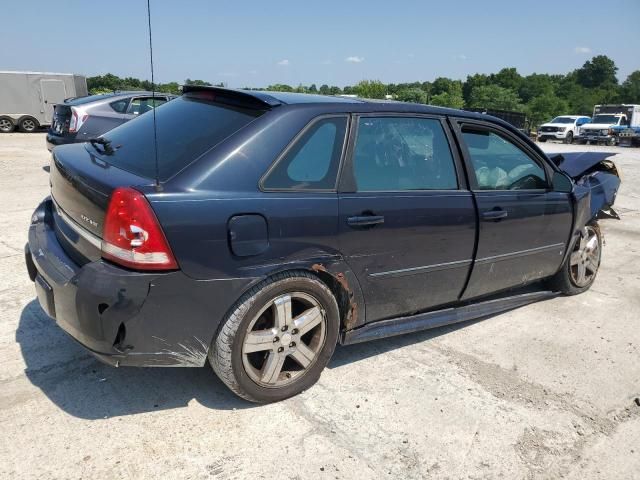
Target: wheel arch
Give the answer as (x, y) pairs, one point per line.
(337, 276)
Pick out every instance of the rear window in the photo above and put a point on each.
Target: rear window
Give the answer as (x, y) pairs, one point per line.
(186, 128)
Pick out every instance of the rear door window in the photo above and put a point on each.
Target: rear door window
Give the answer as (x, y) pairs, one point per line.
(186, 128)
(312, 162)
(402, 153)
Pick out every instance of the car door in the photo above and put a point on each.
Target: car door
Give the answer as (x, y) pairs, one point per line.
(524, 225)
(407, 221)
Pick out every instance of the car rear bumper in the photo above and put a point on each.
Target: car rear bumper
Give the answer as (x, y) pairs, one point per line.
(55, 140)
(123, 317)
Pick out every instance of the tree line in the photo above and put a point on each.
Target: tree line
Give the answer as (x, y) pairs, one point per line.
(541, 96)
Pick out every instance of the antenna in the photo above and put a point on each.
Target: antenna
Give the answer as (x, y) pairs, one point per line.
(153, 95)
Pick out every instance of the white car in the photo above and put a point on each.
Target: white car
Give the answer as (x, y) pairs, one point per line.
(564, 127)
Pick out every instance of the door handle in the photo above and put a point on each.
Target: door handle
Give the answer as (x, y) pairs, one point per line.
(365, 221)
(494, 214)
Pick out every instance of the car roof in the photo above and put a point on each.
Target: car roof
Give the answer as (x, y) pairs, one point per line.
(268, 99)
(109, 96)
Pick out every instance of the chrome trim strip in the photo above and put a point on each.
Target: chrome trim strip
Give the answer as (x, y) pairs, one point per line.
(80, 230)
(425, 269)
(521, 253)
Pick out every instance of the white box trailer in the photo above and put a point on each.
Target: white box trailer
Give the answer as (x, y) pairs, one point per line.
(27, 98)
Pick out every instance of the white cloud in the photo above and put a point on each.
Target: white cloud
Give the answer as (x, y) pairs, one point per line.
(354, 59)
(461, 56)
(284, 63)
(583, 50)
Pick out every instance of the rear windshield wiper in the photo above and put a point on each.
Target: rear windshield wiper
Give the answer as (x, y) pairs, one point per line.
(106, 145)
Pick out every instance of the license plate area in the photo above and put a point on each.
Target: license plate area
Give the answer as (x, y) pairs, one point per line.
(45, 296)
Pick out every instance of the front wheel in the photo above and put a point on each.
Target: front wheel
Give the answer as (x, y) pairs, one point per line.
(278, 338)
(569, 138)
(580, 268)
(611, 141)
(6, 125)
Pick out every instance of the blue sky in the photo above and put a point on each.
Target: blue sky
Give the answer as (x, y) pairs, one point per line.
(252, 43)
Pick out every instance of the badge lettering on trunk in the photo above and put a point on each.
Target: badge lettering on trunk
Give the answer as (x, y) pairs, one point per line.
(88, 220)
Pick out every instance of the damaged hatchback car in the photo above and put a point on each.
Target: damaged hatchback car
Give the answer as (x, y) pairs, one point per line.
(257, 230)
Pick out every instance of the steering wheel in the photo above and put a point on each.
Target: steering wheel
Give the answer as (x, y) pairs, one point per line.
(528, 182)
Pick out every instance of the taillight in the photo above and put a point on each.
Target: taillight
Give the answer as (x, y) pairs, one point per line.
(78, 117)
(132, 235)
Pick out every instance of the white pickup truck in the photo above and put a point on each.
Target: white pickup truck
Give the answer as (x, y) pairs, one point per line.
(608, 121)
(564, 127)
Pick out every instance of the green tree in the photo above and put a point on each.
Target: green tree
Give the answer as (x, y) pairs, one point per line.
(313, 88)
(600, 71)
(494, 96)
(452, 98)
(544, 107)
(536, 85)
(371, 89)
(280, 87)
(200, 83)
(412, 95)
(333, 90)
(507, 78)
(630, 91)
(477, 80)
(324, 89)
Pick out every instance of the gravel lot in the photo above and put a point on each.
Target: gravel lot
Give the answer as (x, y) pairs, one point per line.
(545, 391)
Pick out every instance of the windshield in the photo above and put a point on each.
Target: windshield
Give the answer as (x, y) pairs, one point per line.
(563, 120)
(186, 128)
(609, 119)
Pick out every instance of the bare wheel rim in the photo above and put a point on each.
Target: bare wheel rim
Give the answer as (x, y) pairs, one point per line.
(283, 341)
(28, 125)
(585, 258)
(5, 124)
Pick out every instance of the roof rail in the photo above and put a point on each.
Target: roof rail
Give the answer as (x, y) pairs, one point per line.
(247, 98)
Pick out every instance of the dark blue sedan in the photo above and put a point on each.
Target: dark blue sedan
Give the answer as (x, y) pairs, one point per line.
(260, 229)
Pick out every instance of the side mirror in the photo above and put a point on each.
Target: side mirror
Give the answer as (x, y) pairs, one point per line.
(557, 159)
(561, 183)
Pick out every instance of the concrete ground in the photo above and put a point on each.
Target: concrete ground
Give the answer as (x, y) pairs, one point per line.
(545, 391)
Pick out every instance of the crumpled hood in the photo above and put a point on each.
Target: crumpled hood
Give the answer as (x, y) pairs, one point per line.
(596, 179)
(575, 164)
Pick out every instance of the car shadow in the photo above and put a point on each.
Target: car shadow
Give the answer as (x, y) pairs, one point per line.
(83, 387)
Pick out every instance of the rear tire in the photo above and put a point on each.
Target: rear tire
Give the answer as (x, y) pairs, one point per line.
(6, 125)
(28, 124)
(579, 270)
(277, 338)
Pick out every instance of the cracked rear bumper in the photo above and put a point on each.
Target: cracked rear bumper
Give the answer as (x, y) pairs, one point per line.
(124, 317)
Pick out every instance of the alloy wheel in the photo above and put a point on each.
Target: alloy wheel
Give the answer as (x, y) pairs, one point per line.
(284, 339)
(5, 125)
(585, 258)
(28, 125)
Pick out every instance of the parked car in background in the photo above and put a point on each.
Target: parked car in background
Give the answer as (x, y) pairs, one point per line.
(86, 118)
(266, 227)
(564, 127)
(27, 98)
(609, 121)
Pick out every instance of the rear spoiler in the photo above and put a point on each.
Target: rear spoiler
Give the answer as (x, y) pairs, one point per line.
(241, 98)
